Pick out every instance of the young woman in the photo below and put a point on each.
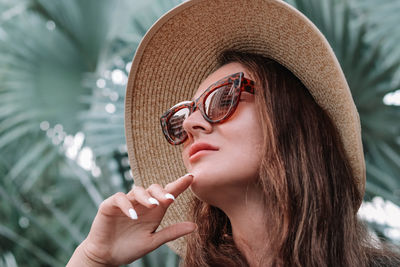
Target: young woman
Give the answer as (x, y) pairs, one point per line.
(274, 153)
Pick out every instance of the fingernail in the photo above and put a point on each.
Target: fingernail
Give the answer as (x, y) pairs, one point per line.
(188, 174)
(133, 214)
(152, 200)
(168, 195)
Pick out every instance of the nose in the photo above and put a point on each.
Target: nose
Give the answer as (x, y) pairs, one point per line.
(195, 125)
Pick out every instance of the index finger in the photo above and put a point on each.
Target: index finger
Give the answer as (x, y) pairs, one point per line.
(177, 187)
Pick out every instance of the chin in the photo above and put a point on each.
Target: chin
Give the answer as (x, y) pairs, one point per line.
(206, 172)
(206, 184)
(203, 179)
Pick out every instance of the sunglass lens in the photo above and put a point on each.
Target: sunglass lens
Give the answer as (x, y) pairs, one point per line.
(175, 125)
(219, 102)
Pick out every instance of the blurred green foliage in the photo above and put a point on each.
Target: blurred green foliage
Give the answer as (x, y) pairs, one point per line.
(63, 71)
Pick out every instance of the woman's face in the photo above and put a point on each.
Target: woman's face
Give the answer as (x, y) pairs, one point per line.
(233, 158)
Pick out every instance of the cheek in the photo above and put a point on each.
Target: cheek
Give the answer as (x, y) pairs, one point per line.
(239, 157)
(244, 137)
(243, 153)
(236, 164)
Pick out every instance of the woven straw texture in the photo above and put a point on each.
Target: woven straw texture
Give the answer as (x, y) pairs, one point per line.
(180, 50)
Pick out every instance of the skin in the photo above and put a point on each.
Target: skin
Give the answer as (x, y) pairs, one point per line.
(224, 178)
(116, 239)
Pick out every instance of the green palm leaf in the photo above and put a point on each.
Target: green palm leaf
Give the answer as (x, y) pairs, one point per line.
(48, 53)
(8, 260)
(63, 68)
(370, 78)
(383, 19)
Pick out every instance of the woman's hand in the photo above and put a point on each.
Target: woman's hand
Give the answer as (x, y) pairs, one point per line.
(116, 238)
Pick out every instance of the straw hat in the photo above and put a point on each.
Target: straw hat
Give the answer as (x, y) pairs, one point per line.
(180, 50)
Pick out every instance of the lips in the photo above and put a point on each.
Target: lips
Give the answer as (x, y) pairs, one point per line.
(200, 147)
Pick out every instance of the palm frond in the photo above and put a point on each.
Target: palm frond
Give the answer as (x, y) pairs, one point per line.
(383, 20)
(370, 77)
(27, 245)
(8, 260)
(63, 70)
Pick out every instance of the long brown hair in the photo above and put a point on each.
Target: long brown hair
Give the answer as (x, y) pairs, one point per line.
(309, 190)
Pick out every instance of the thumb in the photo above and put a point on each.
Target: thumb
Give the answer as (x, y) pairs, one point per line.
(173, 232)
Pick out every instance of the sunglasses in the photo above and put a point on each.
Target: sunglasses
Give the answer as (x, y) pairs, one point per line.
(216, 104)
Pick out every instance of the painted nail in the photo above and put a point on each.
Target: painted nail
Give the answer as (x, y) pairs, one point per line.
(152, 200)
(133, 214)
(168, 195)
(187, 174)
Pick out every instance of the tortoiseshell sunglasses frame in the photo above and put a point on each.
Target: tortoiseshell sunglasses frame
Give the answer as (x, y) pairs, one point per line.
(240, 84)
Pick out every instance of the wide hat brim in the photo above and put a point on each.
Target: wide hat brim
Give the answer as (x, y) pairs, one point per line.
(180, 50)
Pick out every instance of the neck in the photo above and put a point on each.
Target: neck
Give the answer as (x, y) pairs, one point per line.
(246, 213)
